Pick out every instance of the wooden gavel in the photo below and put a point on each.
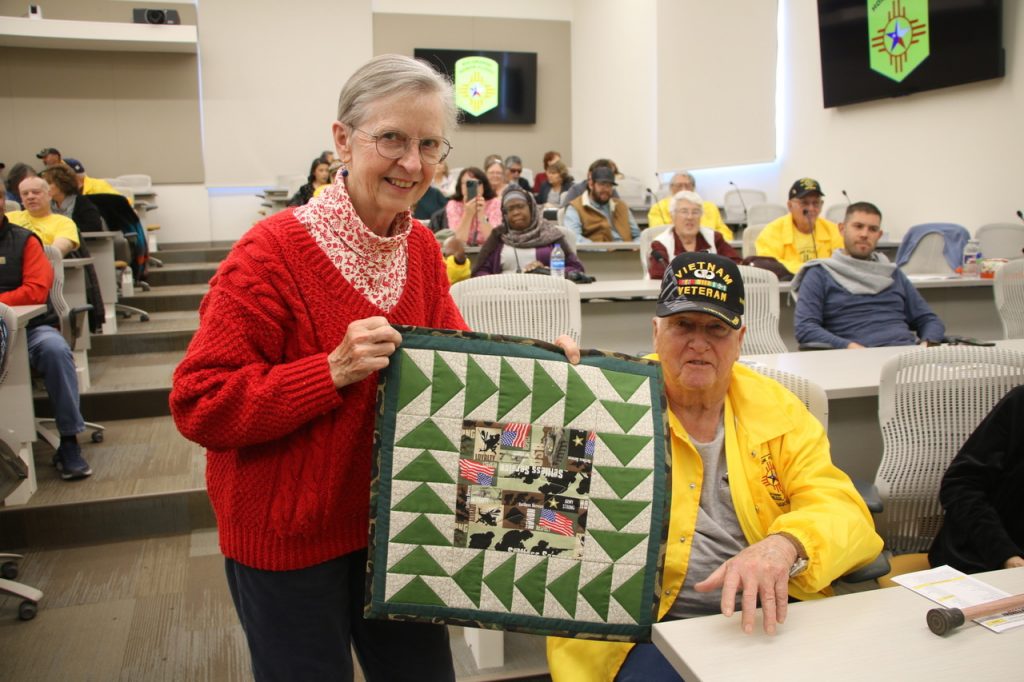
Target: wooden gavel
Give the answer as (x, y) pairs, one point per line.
(942, 621)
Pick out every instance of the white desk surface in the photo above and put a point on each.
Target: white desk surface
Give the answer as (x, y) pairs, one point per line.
(73, 263)
(640, 288)
(846, 373)
(25, 313)
(879, 634)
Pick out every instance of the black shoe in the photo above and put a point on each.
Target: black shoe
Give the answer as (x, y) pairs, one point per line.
(70, 463)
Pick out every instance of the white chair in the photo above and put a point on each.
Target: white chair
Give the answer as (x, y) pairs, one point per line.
(810, 394)
(1009, 293)
(137, 181)
(816, 401)
(10, 205)
(125, 189)
(12, 472)
(929, 257)
(734, 203)
(646, 237)
(761, 312)
(836, 213)
(764, 213)
(11, 334)
(929, 402)
(72, 325)
(750, 233)
(1001, 240)
(532, 306)
(527, 175)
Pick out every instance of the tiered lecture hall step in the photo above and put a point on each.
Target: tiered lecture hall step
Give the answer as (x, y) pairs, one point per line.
(147, 497)
(147, 479)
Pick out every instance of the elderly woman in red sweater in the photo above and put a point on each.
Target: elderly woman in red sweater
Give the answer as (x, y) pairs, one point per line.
(279, 385)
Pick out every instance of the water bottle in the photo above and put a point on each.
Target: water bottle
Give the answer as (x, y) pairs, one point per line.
(972, 255)
(557, 261)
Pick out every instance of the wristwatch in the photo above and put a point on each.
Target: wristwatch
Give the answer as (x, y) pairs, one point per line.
(800, 565)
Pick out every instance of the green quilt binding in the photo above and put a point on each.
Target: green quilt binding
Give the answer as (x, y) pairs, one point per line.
(381, 477)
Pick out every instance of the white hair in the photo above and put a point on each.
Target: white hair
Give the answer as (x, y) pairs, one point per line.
(388, 75)
(685, 195)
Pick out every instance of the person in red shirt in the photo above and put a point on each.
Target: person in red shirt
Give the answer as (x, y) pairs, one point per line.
(25, 279)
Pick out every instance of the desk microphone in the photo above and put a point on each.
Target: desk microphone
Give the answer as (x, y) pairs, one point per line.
(848, 199)
(1020, 214)
(742, 203)
(659, 257)
(807, 217)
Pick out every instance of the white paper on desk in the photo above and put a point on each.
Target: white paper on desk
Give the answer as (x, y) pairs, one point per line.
(954, 589)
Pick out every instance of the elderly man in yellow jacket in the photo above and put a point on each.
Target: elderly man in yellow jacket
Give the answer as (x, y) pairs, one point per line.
(759, 513)
(684, 182)
(802, 234)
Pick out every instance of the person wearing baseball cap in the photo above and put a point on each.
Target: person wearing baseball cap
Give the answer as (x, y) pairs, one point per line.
(89, 185)
(50, 156)
(597, 215)
(758, 510)
(802, 234)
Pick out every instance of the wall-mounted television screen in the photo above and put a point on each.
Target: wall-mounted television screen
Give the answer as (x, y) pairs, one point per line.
(872, 49)
(490, 87)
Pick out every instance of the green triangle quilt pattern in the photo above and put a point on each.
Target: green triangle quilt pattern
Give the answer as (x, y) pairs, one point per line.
(513, 490)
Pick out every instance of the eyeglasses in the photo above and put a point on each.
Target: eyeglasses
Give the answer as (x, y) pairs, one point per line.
(514, 171)
(392, 144)
(689, 211)
(712, 330)
(813, 203)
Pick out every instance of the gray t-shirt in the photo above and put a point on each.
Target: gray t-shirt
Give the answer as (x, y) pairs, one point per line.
(717, 537)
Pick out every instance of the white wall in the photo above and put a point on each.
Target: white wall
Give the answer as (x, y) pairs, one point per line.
(958, 152)
(952, 155)
(271, 74)
(614, 81)
(556, 10)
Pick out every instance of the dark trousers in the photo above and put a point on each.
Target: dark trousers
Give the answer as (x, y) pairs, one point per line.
(646, 664)
(302, 625)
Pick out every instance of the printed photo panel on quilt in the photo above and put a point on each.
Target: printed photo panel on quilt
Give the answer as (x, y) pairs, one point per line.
(513, 490)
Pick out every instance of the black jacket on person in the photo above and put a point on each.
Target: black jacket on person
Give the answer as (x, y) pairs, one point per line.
(982, 494)
(302, 195)
(88, 219)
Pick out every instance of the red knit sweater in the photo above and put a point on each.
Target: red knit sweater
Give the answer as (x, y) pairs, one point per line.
(288, 461)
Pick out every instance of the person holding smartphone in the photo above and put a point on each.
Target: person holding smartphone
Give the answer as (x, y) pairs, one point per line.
(474, 209)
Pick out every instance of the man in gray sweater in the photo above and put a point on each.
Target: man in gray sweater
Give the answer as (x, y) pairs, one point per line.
(857, 298)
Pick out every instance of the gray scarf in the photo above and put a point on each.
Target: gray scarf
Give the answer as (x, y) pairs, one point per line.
(857, 276)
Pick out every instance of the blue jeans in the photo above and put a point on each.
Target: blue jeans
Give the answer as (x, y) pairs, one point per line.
(646, 664)
(302, 625)
(49, 355)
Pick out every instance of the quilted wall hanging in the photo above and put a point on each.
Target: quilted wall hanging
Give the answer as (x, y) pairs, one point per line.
(513, 490)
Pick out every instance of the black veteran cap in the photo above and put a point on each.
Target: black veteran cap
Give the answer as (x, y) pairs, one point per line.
(803, 187)
(703, 283)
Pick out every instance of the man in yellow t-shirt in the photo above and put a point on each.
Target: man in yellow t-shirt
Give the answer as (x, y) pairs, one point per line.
(52, 228)
(683, 181)
(802, 234)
